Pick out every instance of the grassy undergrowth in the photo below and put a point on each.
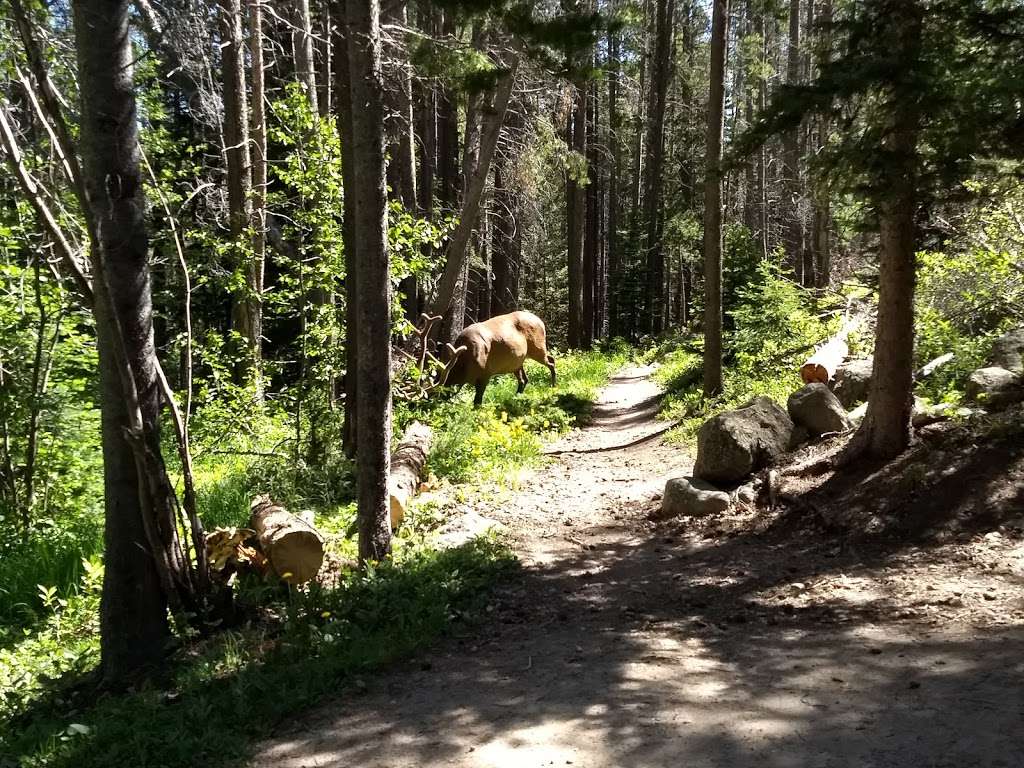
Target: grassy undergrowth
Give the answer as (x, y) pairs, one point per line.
(222, 693)
(296, 646)
(506, 434)
(772, 330)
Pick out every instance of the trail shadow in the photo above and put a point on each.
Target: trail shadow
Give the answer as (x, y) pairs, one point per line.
(955, 487)
(658, 650)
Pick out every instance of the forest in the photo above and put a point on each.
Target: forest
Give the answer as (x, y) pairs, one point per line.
(401, 381)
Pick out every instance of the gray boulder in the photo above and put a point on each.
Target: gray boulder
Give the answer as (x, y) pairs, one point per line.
(815, 407)
(1008, 351)
(692, 497)
(924, 414)
(852, 381)
(995, 388)
(733, 444)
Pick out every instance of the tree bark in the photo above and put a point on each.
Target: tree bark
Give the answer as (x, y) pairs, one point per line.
(793, 225)
(576, 217)
(713, 204)
(346, 137)
(661, 73)
(407, 463)
(133, 610)
(373, 284)
(591, 230)
(885, 431)
(505, 260)
(820, 238)
(400, 127)
(614, 141)
(302, 43)
(246, 313)
(259, 165)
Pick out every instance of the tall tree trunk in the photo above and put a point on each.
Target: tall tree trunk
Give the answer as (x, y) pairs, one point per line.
(793, 224)
(426, 128)
(505, 264)
(325, 72)
(752, 198)
(246, 310)
(346, 136)
(373, 283)
(259, 167)
(614, 143)
(762, 153)
(885, 431)
(133, 610)
(713, 204)
(661, 73)
(302, 42)
(576, 217)
(820, 245)
(400, 127)
(591, 229)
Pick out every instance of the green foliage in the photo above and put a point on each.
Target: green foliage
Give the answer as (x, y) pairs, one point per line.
(964, 301)
(224, 691)
(775, 327)
(505, 434)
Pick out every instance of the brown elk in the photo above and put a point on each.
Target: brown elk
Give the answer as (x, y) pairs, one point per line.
(499, 345)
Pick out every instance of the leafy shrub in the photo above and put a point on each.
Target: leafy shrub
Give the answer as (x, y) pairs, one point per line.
(775, 328)
(964, 301)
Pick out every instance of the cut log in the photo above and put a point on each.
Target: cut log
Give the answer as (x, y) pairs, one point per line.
(929, 368)
(407, 464)
(823, 364)
(294, 548)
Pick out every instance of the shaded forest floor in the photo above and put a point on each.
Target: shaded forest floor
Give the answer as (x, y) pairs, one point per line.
(763, 638)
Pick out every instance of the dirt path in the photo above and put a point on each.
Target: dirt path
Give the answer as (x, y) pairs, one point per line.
(728, 643)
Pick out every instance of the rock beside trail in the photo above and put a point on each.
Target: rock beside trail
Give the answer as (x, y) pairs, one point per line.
(815, 407)
(734, 443)
(692, 497)
(852, 381)
(995, 388)
(924, 414)
(1008, 351)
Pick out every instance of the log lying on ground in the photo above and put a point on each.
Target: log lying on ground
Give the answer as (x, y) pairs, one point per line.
(294, 548)
(823, 364)
(929, 368)
(407, 464)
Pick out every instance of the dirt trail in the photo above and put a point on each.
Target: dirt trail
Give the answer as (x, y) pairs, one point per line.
(724, 644)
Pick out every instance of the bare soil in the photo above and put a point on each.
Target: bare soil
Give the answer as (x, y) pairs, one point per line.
(793, 637)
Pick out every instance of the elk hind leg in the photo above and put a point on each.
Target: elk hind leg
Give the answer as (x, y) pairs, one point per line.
(522, 379)
(481, 385)
(541, 355)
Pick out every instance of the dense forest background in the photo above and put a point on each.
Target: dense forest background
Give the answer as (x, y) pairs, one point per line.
(223, 225)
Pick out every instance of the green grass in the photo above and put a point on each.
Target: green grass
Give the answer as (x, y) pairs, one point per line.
(223, 692)
(220, 692)
(507, 433)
